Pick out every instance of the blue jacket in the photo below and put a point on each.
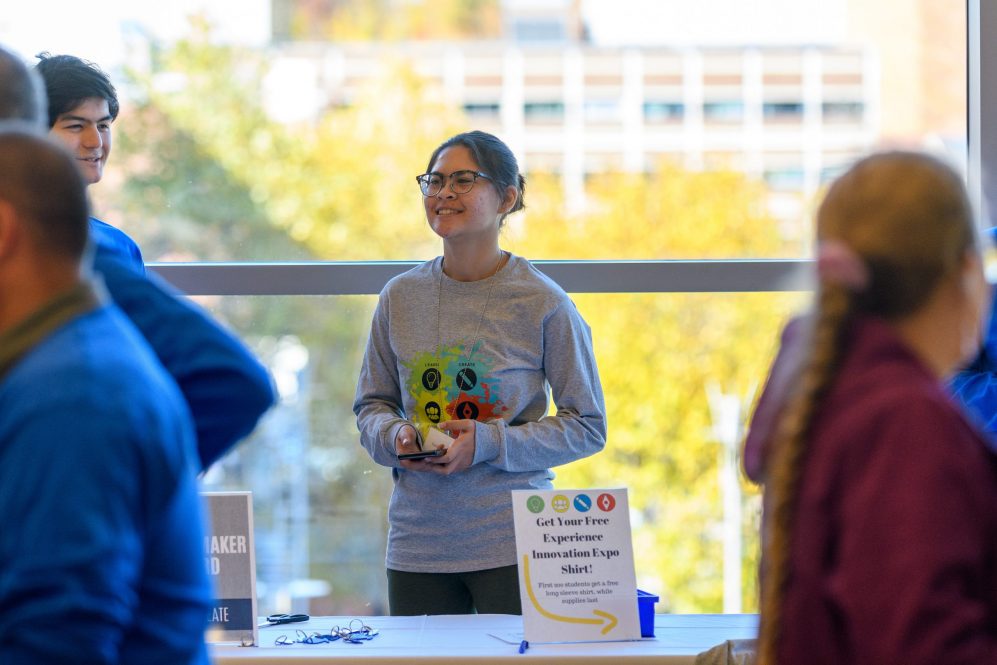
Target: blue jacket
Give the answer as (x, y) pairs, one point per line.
(976, 386)
(101, 557)
(226, 388)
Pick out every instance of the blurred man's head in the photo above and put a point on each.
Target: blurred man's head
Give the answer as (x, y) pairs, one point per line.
(43, 206)
(22, 94)
(82, 104)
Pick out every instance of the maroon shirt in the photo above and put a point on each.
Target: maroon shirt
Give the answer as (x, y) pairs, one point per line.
(894, 545)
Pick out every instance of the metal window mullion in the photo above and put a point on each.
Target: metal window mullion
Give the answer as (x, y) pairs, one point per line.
(368, 278)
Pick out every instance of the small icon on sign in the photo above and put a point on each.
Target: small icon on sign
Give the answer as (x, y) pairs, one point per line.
(535, 504)
(560, 503)
(606, 502)
(583, 503)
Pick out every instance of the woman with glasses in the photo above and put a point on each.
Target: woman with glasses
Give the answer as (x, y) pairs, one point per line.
(471, 346)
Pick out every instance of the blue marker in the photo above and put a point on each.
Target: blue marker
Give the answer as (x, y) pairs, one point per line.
(523, 646)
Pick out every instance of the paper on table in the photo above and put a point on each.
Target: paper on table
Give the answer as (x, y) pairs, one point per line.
(509, 638)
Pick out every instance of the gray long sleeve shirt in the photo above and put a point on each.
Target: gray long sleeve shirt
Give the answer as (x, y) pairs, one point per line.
(495, 351)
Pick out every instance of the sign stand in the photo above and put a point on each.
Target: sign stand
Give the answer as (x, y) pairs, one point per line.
(576, 567)
(230, 557)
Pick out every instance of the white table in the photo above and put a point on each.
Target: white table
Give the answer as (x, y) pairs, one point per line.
(467, 638)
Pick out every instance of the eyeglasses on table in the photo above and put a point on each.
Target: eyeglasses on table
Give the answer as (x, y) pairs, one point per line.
(355, 632)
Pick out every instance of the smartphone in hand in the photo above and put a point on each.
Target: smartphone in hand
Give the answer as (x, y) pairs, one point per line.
(422, 454)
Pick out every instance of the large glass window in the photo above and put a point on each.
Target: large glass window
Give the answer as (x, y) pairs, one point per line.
(653, 133)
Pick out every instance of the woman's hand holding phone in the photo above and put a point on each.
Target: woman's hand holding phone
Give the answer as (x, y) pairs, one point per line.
(460, 452)
(409, 452)
(406, 442)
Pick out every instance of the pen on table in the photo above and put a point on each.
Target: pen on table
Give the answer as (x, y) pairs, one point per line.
(523, 646)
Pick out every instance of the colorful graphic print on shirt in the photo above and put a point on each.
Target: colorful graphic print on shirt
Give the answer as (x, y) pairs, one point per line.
(453, 385)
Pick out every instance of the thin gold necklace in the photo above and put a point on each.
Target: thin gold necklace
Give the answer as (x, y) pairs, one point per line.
(488, 298)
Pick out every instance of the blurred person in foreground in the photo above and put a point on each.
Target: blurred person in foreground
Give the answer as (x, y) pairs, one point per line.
(100, 534)
(880, 521)
(21, 91)
(226, 388)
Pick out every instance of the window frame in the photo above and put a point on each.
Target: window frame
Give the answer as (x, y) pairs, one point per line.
(336, 278)
(981, 102)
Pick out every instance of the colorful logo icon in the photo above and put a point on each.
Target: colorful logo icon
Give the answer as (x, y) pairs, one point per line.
(467, 411)
(467, 379)
(583, 503)
(535, 504)
(431, 379)
(606, 502)
(560, 503)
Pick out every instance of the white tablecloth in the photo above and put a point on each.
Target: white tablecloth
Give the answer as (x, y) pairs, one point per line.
(465, 638)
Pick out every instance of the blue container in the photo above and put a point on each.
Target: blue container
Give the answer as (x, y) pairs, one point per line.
(645, 610)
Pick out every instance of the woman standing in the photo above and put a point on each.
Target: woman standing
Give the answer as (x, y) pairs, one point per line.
(880, 496)
(474, 343)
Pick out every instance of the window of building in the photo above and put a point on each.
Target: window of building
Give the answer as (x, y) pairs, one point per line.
(663, 111)
(787, 178)
(723, 111)
(843, 111)
(774, 111)
(543, 111)
(476, 110)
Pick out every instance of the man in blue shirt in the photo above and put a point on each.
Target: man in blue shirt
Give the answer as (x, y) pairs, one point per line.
(101, 555)
(226, 388)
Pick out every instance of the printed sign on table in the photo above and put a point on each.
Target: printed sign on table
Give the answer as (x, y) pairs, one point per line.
(230, 556)
(576, 565)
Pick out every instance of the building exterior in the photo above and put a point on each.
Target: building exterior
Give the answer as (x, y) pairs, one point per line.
(791, 116)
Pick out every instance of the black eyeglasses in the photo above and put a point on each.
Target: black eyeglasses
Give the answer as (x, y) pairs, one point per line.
(461, 182)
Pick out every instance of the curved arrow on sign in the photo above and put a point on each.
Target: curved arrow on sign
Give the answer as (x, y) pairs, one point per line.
(606, 617)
